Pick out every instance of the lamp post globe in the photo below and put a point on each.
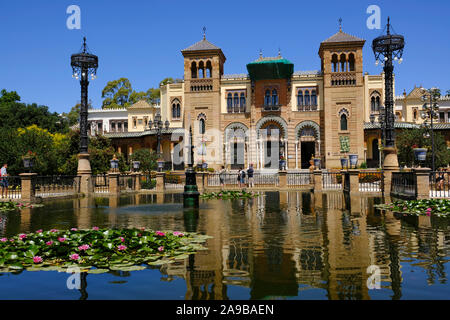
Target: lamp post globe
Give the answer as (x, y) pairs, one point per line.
(388, 47)
(84, 64)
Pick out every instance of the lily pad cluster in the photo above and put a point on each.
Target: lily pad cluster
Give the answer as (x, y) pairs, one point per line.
(421, 207)
(229, 194)
(13, 206)
(96, 250)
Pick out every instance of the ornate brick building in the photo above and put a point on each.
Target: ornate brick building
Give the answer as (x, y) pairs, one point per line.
(270, 112)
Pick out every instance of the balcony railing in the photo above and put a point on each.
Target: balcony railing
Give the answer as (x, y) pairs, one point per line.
(307, 108)
(275, 107)
(343, 79)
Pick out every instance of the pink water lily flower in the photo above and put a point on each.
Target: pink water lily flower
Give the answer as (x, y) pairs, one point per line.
(159, 233)
(160, 249)
(49, 243)
(37, 259)
(74, 256)
(95, 228)
(121, 247)
(39, 231)
(178, 234)
(3, 239)
(74, 229)
(54, 230)
(22, 236)
(139, 235)
(84, 247)
(61, 239)
(122, 239)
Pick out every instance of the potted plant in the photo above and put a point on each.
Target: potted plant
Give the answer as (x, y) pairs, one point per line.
(420, 154)
(317, 163)
(344, 162)
(353, 160)
(28, 159)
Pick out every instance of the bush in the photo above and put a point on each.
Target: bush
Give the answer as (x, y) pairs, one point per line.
(148, 184)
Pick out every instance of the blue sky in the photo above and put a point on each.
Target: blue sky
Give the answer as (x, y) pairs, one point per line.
(141, 40)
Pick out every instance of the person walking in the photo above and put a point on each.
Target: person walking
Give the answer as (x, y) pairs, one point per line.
(241, 177)
(4, 180)
(250, 172)
(222, 177)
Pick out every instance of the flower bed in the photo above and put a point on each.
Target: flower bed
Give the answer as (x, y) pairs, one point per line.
(102, 249)
(422, 207)
(228, 194)
(13, 206)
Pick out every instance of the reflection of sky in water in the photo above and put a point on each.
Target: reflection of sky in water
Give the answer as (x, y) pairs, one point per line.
(282, 245)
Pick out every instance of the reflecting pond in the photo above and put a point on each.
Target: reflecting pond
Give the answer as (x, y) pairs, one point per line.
(280, 245)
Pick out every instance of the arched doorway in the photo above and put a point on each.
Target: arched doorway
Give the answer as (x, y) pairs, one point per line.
(235, 145)
(273, 145)
(308, 134)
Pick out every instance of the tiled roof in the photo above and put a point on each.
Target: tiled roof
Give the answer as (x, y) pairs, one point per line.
(342, 37)
(139, 134)
(304, 73)
(141, 104)
(201, 45)
(235, 76)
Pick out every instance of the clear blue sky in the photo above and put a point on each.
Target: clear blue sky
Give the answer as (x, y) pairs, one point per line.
(141, 40)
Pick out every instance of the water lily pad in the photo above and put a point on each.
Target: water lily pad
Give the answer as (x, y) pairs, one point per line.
(98, 271)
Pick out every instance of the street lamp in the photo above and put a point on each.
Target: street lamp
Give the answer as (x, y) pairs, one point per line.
(84, 65)
(430, 111)
(158, 126)
(387, 48)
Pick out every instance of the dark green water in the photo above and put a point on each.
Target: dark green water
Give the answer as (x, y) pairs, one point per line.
(282, 245)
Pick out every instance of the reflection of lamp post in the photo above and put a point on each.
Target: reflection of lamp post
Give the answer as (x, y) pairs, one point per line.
(84, 64)
(191, 194)
(389, 47)
(430, 111)
(158, 126)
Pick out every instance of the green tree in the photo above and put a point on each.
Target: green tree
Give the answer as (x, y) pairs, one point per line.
(74, 114)
(15, 114)
(116, 94)
(146, 158)
(414, 138)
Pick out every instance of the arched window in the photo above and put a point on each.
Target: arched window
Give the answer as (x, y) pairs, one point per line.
(351, 62)
(229, 103)
(178, 111)
(343, 121)
(343, 63)
(208, 69)
(307, 98)
(267, 98)
(334, 63)
(372, 104)
(300, 99)
(201, 70)
(242, 102)
(202, 127)
(194, 70)
(236, 102)
(415, 114)
(377, 104)
(274, 97)
(174, 111)
(313, 98)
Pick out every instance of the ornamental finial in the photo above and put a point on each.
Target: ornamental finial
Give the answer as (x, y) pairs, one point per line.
(84, 44)
(388, 26)
(204, 33)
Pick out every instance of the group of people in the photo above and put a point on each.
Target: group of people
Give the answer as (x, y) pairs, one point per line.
(441, 177)
(242, 174)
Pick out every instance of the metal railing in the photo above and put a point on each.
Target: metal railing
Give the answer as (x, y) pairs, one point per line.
(148, 182)
(370, 181)
(229, 178)
(173, 181)
(439, 184)
(266, 179)
(101, 183)
(127, 182)
(299, 179)
(331, 180)
(11, 187)
(404, 184)
(49, 186)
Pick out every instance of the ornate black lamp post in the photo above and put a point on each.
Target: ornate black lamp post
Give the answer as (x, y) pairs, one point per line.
(430, 111)
(191, 194)
(84, 65)
(158, 126)
(389, 47)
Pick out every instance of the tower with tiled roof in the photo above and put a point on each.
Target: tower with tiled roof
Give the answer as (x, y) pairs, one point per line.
(341, 63)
